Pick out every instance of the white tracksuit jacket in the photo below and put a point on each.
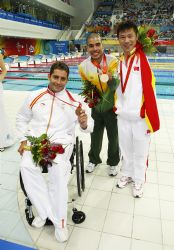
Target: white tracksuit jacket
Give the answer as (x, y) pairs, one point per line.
(50, 200)
(133, 132)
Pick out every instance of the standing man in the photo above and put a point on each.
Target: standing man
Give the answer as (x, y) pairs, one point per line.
(51, 111)
(99, 69)
(136, 108)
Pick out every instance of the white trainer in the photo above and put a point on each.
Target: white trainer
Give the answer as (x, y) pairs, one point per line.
(112, 171)
(123, 181)
(38, 222)
(90, 167)
(137, 190)
(61, 234)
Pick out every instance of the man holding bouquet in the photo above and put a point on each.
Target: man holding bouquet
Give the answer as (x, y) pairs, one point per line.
(136, 105)
(97, 73)
(47, 119)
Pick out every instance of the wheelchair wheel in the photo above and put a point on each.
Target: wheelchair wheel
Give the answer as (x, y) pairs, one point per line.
(82, 167)
(22, 184)
(72, 158)
(78, 169)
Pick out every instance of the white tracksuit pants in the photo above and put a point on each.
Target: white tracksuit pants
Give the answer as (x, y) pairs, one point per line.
(134, 144)
(50, 200)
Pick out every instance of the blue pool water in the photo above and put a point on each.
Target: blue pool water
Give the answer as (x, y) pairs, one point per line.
(31, 79)
(6, 245)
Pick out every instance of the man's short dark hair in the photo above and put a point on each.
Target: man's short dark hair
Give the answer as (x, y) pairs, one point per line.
(92, 35)
(126, 25)
(61, 66)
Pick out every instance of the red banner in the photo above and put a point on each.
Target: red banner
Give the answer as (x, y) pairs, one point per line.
(19, 46)
(165, 42)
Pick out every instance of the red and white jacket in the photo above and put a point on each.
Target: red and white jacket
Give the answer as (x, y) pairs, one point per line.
(33, 117)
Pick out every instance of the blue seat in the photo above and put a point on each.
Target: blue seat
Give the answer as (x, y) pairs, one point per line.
(3, 15)
(40, 22)
(27, 20)
(10, 16)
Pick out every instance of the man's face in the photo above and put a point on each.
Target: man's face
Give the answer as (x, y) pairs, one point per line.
(127, 40)
(95, 48)
(58, 80)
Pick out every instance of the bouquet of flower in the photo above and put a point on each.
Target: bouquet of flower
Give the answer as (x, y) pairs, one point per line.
(43, 151)
(102, 102)
(91, 94)
(147, 37)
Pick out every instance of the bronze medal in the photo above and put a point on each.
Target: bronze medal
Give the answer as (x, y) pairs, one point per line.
(78, 111)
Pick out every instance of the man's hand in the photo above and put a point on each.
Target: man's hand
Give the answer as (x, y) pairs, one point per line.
(110, 75)
(82, 118)
(21, 148)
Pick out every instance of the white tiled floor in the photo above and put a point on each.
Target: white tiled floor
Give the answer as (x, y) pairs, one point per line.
(114, 219)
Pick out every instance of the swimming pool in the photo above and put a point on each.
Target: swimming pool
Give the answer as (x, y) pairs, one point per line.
(29, 79)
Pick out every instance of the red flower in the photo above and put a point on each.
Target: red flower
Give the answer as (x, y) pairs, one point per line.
(95, 94)
(45, 150)
(151, 33)
(44, 141)
(95, 100)
(52, 156)
(86, 99)
(53, 148)
(60, 149)
(91, 105)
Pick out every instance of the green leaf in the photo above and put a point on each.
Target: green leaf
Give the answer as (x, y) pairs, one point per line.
(147, 41)
(113, 84)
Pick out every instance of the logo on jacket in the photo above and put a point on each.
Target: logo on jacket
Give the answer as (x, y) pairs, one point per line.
(136, 68)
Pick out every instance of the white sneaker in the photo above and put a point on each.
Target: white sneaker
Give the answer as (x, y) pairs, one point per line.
(2, 149)
(123, 181)
(112, 171)
(61, 234)
(90, 167)
(137, 190)
(38, 222)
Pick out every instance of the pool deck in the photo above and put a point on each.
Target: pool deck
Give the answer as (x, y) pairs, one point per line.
(115, 220)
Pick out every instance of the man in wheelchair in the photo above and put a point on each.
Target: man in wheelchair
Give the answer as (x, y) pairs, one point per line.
(48, 117)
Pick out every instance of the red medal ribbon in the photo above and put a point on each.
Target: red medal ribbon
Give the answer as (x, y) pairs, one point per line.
(70, 97)
(104, 69)
(73, 100)
(123, 85)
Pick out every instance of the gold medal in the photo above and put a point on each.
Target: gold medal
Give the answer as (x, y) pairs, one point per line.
(104, 78)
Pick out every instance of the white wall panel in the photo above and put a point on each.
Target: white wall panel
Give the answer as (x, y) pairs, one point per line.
(17, 29)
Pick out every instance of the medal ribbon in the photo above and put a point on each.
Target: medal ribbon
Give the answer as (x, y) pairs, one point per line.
(70, 97)
(123, 85)
(54, 96)
(104, 69)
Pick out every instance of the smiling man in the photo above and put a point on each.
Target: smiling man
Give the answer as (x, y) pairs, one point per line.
(51, 111)
(98, 69)
(136, 108)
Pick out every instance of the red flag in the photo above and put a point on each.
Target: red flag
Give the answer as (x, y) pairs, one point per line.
(149, 105)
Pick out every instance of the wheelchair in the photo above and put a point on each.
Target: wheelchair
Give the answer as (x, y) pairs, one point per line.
(77, 161)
